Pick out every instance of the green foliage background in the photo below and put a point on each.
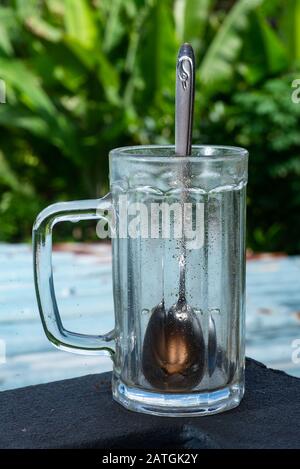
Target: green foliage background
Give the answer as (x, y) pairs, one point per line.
(84, 76)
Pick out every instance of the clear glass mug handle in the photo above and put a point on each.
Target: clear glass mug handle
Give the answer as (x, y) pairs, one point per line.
(43, 275)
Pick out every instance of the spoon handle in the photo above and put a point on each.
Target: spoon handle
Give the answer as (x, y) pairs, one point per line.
(184, 105)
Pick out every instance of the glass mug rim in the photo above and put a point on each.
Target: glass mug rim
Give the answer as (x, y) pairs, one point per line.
(200, 154)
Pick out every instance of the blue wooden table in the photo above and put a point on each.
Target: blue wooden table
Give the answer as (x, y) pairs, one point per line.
(83, 284)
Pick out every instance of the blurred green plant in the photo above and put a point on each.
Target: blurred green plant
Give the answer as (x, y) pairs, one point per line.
(266, 121)
(84, 76)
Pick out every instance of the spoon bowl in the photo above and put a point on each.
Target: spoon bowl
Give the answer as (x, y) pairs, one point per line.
(173, 358)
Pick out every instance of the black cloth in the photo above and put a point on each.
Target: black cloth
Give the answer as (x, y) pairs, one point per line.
(80, 413)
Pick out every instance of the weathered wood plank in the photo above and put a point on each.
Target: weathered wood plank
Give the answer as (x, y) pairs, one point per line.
(84, 292)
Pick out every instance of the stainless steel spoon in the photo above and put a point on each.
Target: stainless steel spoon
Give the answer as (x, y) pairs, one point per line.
(174, 350)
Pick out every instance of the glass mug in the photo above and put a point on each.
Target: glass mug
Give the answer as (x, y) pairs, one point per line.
(174, 353)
